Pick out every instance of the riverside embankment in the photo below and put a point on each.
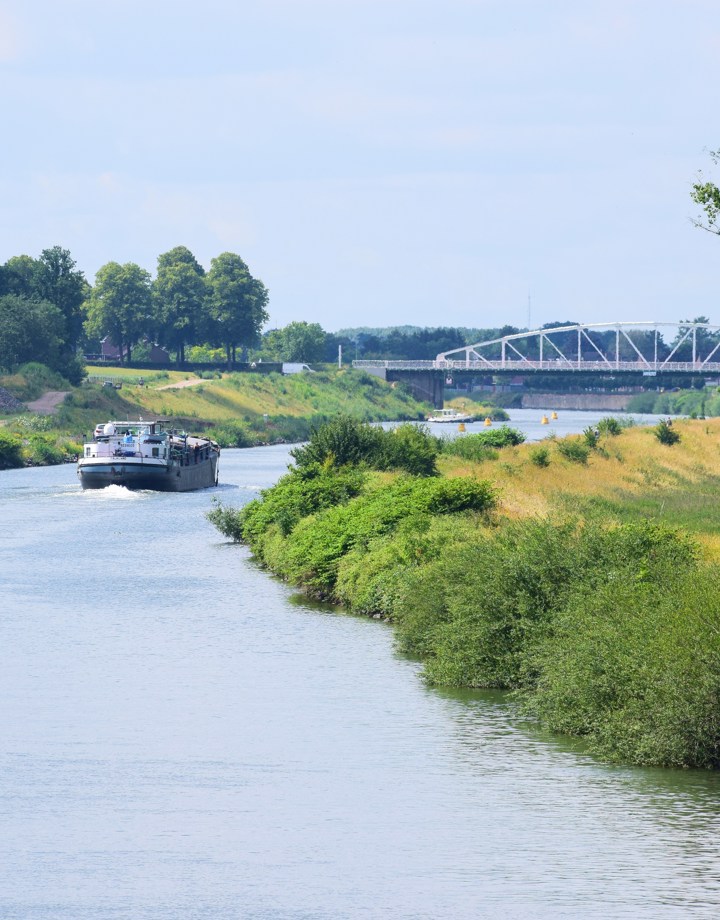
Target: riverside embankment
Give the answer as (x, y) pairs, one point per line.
(236, 410)
(580, 572)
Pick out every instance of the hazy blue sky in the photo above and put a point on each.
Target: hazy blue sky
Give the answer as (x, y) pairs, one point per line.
(375, 162)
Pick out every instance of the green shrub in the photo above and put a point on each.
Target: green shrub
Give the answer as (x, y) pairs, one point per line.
(345, 440)
(540, 456)
(227, 520)
(473, 612)
(318, 543)
(469, 447)
(231, 434)
(483, 445)
(410, 448)
(10, 450)
(665, 433)
(611, 426)
(478, 612)
(300, 493)
(339, 442)
(573, 450)
(591, 437)
(634, 668)
(41, 450)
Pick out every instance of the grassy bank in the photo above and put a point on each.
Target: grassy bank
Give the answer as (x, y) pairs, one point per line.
(532, 568)
(237, 410)
(29, 441)
(695, 403)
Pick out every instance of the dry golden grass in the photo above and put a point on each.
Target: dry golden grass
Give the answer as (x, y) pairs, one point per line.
(210, 400)
(632, 468)
(215, 399)
(238, 396)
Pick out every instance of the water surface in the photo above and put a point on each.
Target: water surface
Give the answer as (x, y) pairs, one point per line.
(183, 737)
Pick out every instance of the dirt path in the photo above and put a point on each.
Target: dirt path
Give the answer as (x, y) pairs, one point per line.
(48, 402)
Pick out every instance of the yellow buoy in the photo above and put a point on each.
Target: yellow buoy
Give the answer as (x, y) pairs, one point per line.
(544, 420)
(554, 415)
(461, 426)
(488, 421)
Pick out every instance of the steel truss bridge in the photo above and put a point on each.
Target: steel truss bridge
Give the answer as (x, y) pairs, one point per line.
(609, 348)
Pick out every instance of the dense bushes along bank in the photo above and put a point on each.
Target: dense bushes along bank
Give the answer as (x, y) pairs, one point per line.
(30, 442)
(606, 631)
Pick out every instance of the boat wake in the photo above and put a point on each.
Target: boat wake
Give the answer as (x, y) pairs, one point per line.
(112, 493)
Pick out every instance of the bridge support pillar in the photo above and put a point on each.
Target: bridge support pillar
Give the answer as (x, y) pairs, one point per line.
(428, 386)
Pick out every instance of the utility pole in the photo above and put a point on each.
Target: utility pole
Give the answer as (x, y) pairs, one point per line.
(339, 356)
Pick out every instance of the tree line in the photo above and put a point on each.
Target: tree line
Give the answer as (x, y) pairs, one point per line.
(49, 312)
(182, 306)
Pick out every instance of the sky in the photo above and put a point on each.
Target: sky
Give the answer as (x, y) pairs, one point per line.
(375, 162)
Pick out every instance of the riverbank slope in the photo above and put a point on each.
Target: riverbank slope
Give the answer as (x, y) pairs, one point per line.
(236, 410)
(581, 573)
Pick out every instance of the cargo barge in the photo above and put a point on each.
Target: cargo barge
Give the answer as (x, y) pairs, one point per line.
(145, 455)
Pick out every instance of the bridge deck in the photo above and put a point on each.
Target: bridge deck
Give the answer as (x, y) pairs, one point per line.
(555, 365)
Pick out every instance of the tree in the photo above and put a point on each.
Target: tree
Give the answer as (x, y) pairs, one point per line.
(301, 341)
(705, 341)
(707, 195)
(57, 280)
(270, 346)
(20, 276)
(236, 302)
(120, 304)
(30, 330)
(335, 340)
(179, 294)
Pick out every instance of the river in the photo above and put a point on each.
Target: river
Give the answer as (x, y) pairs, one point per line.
(184, 736)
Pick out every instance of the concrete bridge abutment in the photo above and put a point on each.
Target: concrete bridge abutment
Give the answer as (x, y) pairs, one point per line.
(427, 386)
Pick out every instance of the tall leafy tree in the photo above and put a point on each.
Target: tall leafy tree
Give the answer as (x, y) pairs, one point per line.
(237, 303)
(58, 281)
(30, 330)
(179, 294)
(301, 341)
(20, 276)
(120, 305)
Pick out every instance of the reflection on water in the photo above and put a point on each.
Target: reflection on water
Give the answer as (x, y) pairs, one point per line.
(637, 820)
(186, 737)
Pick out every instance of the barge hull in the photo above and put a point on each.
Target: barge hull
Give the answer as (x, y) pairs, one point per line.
(157, 478)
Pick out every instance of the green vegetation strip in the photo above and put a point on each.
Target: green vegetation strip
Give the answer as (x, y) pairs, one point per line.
(604, 630)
